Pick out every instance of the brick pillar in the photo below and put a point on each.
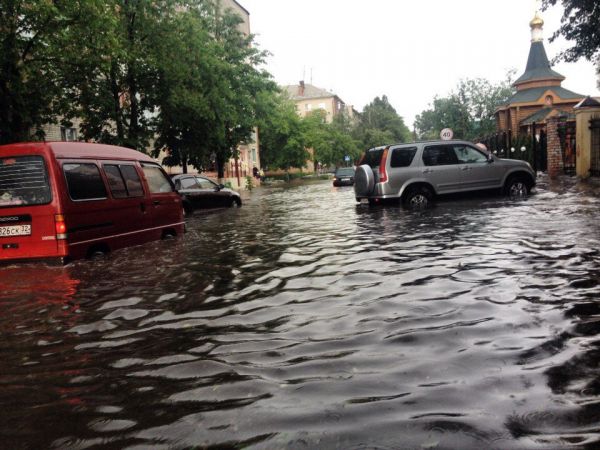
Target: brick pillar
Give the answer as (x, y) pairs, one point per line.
(555, 157)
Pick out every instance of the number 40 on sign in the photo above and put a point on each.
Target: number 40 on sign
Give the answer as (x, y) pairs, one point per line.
(446, 134)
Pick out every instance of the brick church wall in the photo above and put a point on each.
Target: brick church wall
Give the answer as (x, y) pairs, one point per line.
(555, 157)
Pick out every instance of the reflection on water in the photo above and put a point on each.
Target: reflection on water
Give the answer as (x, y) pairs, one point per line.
(306, 320)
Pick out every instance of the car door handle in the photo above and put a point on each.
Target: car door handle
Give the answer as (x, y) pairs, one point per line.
(156, 202)
(465, 168)
(428, 171)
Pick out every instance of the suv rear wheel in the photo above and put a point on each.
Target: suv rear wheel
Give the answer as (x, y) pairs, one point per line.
(418, 197)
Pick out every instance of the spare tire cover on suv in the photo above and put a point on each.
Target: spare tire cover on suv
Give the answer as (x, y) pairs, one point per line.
(364, 180)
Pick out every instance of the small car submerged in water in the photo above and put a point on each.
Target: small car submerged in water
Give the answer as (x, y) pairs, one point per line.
(198, 192)
(343, 176)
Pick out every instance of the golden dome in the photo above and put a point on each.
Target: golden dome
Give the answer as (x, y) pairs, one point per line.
(537, 21)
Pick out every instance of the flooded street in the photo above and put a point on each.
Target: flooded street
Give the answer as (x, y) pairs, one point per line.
(305, 320)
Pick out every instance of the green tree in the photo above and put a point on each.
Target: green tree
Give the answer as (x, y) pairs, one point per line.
(115, 89)
(380, 124)
(468, 110)
(580, 24)
(330, 142)
(185, 83)
(240, 82)
(36, 40)
(282, 134)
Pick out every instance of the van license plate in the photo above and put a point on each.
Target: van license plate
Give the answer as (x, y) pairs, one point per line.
(15, 230)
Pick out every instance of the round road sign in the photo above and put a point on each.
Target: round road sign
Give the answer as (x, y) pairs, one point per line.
(446, 134)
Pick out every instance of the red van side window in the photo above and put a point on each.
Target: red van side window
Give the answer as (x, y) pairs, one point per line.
(158, 181)
(132, 181)
(84, 181)
(123, 181)
(115, 181)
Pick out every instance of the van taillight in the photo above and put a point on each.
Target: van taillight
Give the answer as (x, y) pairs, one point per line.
(60, 226)
(382, 171)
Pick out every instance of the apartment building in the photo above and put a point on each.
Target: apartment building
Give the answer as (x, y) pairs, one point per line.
(310, 98)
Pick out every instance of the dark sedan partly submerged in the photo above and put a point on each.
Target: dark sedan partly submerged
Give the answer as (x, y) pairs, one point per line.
(344, 176)
(198, 192)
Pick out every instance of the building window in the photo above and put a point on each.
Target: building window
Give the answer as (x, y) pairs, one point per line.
(308, 107)
(321, 105)
(254, 155)
(68, 134)
(549, 100)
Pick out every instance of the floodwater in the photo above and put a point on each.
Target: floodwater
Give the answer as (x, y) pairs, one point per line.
(304, 320)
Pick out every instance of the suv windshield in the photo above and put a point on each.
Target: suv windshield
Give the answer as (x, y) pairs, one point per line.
(372, 157)
(23, 181)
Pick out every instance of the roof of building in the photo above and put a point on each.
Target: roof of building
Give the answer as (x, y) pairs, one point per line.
(310, 91)
(239, 4)
(538, 66)
(588, 102)
(534, 94)
(541, 115)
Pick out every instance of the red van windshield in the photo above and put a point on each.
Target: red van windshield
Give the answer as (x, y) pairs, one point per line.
(23, 181)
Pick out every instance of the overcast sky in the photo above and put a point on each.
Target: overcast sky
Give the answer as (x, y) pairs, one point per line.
(410, 51)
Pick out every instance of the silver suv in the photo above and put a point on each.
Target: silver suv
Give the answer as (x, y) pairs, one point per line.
(414, 173)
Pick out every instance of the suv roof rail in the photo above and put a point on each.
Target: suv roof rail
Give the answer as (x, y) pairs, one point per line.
(424, 141)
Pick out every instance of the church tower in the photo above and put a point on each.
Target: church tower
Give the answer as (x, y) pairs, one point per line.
(540, 94)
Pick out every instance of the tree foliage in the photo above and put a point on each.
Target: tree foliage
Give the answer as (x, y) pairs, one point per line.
(380, 124)
(283, 143)
(468, 110)
(580, 24)
(208, 103)
(114, 81)
(35, 58)
(331, 142)
(178, 74)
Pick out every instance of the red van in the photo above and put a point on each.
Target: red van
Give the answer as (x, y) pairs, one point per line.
(69, 200)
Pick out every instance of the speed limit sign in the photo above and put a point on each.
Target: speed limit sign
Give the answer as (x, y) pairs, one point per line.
(446, 134)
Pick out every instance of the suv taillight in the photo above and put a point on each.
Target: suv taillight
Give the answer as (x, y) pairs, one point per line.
(382, 172)
(60, 226)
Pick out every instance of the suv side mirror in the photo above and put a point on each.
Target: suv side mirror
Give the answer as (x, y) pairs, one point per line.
(221, 186)
(490, 158)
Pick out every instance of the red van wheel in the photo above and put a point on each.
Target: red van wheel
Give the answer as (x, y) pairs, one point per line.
(98, 251)
(169, 234)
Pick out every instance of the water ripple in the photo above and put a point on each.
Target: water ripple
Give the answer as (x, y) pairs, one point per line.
(306, 320)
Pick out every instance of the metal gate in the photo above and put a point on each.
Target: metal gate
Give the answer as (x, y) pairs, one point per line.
(540, 150)
(595, 149)
(566, 135)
